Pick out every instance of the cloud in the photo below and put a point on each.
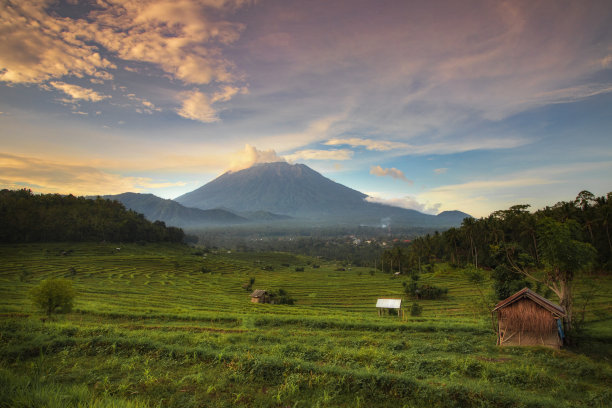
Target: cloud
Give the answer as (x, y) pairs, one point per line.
(149, 107)
(314, 130)
(52, 177)
(180, 37)
(228, 92)
(312, 154)
(408, 202)
(369, 144)
(197, 105)
(539, 187)
(183, 38)
(571, 94)
(251, 156)
(392, 172)
(36, 46)
(77, 92)
(449, 146)
(428, 74)
(441, 170)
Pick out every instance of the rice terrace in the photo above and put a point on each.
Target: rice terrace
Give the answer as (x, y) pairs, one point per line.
(305, 204)
(166, 325)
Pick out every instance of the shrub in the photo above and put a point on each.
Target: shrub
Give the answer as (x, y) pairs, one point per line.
(416, 309)
(423, 291)
(431, 292)
(54, 296)
(281, 297)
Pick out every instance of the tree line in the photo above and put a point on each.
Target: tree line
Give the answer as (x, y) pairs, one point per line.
(547, 247)
(28, 217)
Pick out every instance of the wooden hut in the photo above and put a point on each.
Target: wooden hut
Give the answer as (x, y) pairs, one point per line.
(389, 304)
(260, 296)
(528, 319)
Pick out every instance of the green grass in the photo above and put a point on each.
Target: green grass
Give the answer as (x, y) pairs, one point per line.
(150, 329)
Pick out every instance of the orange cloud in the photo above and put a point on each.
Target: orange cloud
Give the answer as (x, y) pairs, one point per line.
(53, 177)
(181, 37)
(197, 105)
(36, 47)
(392, 172)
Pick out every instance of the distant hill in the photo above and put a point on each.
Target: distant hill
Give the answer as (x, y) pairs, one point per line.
(172, 213)
(453, 215)
(299, 191)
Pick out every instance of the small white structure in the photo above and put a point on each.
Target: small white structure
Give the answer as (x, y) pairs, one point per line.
(389, 304)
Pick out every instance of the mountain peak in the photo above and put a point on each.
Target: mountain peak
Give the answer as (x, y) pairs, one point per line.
(298, 191)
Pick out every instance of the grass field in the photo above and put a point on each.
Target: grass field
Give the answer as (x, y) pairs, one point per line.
(170, 326)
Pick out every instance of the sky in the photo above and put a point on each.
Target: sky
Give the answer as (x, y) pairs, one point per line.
(475, 105)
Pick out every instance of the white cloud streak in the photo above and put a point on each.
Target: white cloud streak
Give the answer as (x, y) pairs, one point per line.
(406, 202)
(446, 147)
(314, 154)
(369, 144)
(250, 156)
(77, 92)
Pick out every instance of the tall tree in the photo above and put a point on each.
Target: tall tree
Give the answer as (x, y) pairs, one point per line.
(562, 256)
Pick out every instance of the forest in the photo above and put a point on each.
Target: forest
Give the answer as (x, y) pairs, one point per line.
(516, 235)
(547, 247)
(28, 217)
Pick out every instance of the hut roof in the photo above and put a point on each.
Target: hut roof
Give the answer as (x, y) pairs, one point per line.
(259, 293)
(389, 303)
(528, 293)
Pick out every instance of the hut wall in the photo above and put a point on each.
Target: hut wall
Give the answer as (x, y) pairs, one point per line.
(255, 300)
(527, 323)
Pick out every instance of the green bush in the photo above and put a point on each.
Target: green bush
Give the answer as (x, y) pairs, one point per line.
(281, 297)
(416, 309)
(423, 291)
(54, 296)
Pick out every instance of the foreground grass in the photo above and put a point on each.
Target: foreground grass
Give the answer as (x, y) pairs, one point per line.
(167, 326)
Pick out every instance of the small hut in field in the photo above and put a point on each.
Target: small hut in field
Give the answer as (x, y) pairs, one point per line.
(528, 319)
(260, 296)
(389, 304)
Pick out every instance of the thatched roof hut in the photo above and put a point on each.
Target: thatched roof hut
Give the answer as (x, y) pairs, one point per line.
(260, 296)
(528, 319)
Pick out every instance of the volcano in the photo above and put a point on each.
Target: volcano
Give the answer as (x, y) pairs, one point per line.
(298, 191)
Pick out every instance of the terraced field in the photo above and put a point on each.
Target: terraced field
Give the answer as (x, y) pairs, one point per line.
(171, 326)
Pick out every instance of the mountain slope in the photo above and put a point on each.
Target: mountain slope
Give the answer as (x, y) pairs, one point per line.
(172, 213)
(280, 188)
(298, 191)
